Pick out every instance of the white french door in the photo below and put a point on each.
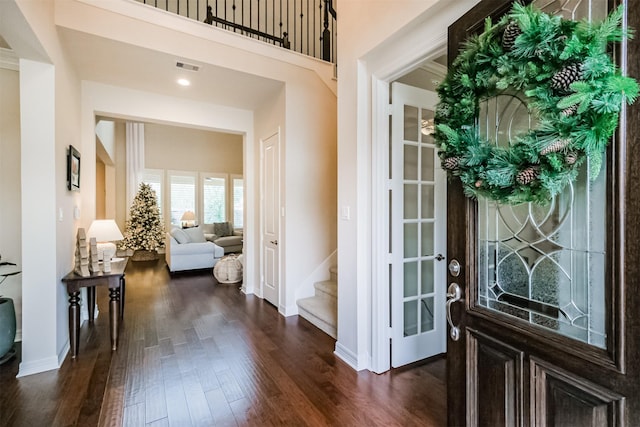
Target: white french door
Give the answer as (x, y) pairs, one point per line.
(418, 229)
(270, 208)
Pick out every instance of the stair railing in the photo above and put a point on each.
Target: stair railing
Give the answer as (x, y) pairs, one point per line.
(305, 26)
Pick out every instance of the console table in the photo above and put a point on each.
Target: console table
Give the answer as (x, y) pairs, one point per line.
(116, 283)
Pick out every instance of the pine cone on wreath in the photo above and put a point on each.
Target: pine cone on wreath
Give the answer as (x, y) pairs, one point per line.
(555, 146)
(570, 111)
(570, 158)
(527, 175)
(561, 80)
(451, 163)
(509, 36)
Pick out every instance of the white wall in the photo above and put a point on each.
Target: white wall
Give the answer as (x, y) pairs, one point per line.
(307, 181)
(155, 29)
(376, 41)
(49, 113)
(310, 183)
(105, 131)
(10, 200)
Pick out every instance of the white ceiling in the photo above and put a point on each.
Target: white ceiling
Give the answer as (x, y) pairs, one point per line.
(120, 64)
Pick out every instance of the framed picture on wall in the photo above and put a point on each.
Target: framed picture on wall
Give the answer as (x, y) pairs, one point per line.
(73, 169)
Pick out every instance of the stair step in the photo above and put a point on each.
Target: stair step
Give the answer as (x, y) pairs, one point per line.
(334, 273)
(327, 289)
(321, 312)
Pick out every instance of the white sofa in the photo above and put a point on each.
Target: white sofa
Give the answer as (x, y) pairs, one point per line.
(223, 234)
(191, 252)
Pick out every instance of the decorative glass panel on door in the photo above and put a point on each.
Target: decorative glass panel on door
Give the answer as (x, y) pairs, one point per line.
(544, 264)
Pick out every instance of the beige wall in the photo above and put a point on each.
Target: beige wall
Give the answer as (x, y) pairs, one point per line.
(100, 191)
(187, 149)
(121, 174)
(176, 148)
(10, 203)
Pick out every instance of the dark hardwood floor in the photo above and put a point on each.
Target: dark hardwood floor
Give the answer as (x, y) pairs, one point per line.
(193, 352)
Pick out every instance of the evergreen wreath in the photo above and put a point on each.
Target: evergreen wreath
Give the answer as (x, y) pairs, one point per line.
(570, 85)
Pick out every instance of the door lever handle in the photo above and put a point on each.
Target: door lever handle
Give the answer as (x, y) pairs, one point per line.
(454, 294)
(274, 242)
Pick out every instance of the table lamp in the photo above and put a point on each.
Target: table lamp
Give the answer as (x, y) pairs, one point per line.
(105, 231)
(188, 219)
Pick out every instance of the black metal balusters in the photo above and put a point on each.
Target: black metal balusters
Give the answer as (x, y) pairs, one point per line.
(293, 31)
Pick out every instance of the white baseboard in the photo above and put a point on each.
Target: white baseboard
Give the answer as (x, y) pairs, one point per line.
(287, 311)
(347, 356)
(38, 366)
(63, 353)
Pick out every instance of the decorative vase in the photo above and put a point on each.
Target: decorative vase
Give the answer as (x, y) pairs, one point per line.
(144, 255)
(7, 329)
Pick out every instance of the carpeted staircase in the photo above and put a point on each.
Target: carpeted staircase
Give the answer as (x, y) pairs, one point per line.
(322, 308)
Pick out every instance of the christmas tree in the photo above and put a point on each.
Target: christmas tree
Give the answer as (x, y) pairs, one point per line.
(145, 230)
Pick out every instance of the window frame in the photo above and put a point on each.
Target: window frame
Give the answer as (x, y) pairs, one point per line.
(217, 175)
(175, 173)
(232, 178)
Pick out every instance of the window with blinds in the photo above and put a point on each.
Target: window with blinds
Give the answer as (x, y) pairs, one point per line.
(182, 194)
(238, 201)
(214, 199)
(155, 179)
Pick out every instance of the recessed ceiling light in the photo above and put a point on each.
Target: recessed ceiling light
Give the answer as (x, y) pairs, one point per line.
(184, 82)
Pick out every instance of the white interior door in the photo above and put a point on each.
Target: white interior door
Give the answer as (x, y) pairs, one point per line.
(270, 200)
(418, 229)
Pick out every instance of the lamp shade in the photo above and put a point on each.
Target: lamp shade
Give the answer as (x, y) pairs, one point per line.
(104, 230)
(188, 216)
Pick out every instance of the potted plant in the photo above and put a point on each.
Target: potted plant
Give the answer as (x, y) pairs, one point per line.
(144, 233)
(7, 319)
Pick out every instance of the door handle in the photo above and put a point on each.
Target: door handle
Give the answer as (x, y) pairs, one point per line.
(454, 294)
(274, 242)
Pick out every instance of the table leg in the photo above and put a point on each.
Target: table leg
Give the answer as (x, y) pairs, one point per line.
(74, 322)
(114, 305)
(91, 302)
(122, 291)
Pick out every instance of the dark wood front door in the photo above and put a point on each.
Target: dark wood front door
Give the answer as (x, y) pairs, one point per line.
(549, 314)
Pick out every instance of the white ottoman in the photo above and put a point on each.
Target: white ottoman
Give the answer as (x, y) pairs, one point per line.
(228, 269)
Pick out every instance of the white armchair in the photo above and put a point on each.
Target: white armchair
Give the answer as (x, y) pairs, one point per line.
(190, 253)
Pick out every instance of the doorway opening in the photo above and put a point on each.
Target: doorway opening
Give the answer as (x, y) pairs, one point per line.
(412, 220)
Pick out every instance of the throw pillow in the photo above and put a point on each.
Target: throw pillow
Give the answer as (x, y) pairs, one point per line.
(222, 229)
(195, 234)
(180, 236)
(207, 228)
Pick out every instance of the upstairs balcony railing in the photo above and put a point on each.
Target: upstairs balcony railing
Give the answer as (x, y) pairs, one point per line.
(306, 26)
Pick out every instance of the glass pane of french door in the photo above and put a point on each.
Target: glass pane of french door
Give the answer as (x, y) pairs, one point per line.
(418, 221)
(545, 264)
